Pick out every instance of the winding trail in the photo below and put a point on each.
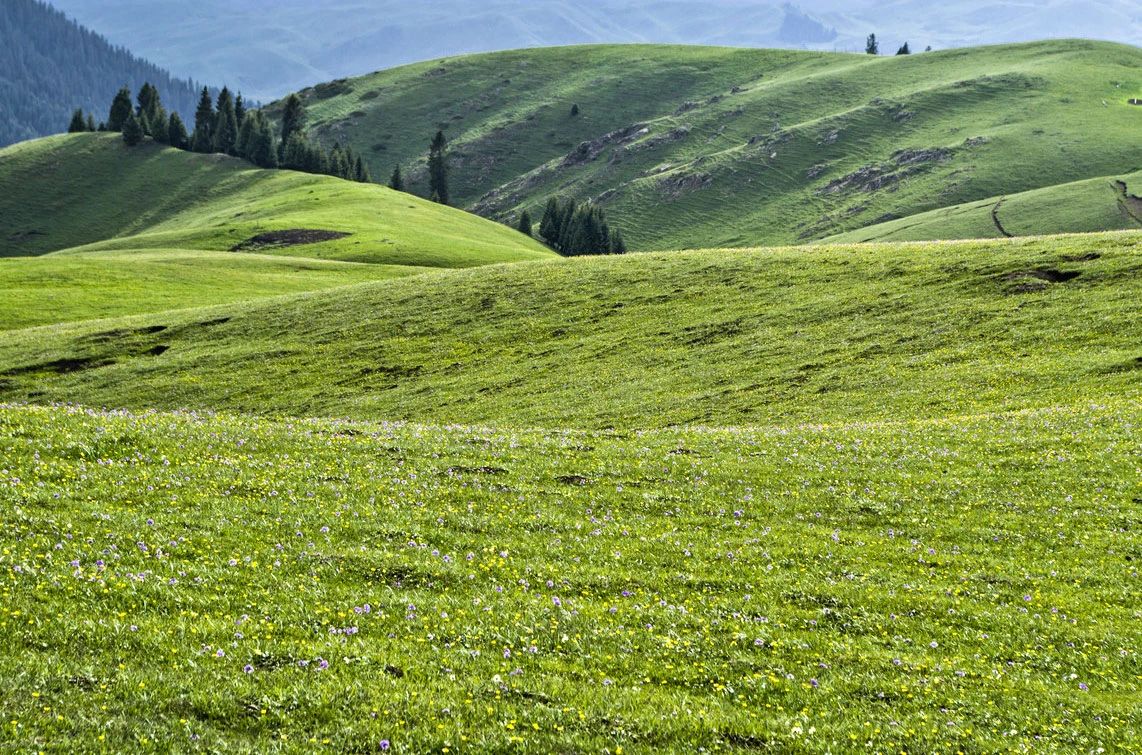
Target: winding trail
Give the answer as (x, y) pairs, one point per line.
(995, 219)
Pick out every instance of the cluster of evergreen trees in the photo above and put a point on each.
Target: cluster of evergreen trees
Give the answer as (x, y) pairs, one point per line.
(575, 229)
(226, 126)
(296, 152)
(49, 64)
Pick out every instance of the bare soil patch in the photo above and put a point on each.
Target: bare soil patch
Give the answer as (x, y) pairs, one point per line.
(291, 237)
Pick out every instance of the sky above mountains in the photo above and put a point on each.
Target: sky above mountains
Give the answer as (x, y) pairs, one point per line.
(267, 48)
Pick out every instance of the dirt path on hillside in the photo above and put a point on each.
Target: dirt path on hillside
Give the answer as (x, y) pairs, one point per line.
(995, 219)
(1130, 203)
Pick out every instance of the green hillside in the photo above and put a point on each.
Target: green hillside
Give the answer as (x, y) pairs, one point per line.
(89, 192)
(1111, 203)
(67, 288)
(698, 147)
(703, 338)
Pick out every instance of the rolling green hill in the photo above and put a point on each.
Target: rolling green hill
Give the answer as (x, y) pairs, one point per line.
(68, 288)
(1110, 203)
(699, 147)
(764, 337)
(90, 193)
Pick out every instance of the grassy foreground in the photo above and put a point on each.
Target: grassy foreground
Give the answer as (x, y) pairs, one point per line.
(965, 584)
(719, 338)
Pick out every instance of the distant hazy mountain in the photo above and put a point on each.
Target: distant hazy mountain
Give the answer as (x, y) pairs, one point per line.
(49, 66)
(269, 47)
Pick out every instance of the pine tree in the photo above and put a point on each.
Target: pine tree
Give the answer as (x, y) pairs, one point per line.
(176, 132)
(149, 103)
(361, 171)
(78, 125)
(618, 246)
(132, 130)
(121, 107)
(246, 134)
(144, 123)
(225, 124)
(396, 180)
(549, 225)
(574, 110)
(239, 108)
(203, 140)
(524, 226)
(262, 151)
(905, 50)
(438, 169)
(872, 47)
(91, 122)
(293, 120)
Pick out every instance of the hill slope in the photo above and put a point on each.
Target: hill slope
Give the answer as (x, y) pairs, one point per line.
(274, 46)
(51, 66)
(68, 288)
(89, 192)
(710, 338)
(700, 147)
(1109, 203)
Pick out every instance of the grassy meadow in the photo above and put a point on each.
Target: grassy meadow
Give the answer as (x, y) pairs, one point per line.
(817, 334)
(957, 584)
(292, 464)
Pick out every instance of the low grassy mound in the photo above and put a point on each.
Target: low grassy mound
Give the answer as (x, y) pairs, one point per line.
(91, 192)
(823, 334)
(69, 288)
(1111, 203)
(700, 146)
(963, 584)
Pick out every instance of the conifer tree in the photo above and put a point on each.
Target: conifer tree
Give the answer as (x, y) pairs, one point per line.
(872, 47)
(246, 133)
(905, 50)
(121, 107)
(203, 140)
(550, 225)
(524, 226)
(618, 246)
(438, 169)
(293, 119)
(78, 125)
(263, 152)
(396, 180)
(176, 132)
(132, 130)
(150, 104)
(225, 124)
(239, 109)
(361, 171)
(91, 122)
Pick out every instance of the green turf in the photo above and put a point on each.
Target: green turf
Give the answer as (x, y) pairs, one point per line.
(708, 338)
(179, 583)
(68, 288)
(91, 192)
(742, 145)
(1110, 203)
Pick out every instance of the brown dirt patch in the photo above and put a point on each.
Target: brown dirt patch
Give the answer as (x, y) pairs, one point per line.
(291, 237)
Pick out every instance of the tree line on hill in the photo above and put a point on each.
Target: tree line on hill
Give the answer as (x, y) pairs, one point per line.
(49, 63)
(227, 126)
